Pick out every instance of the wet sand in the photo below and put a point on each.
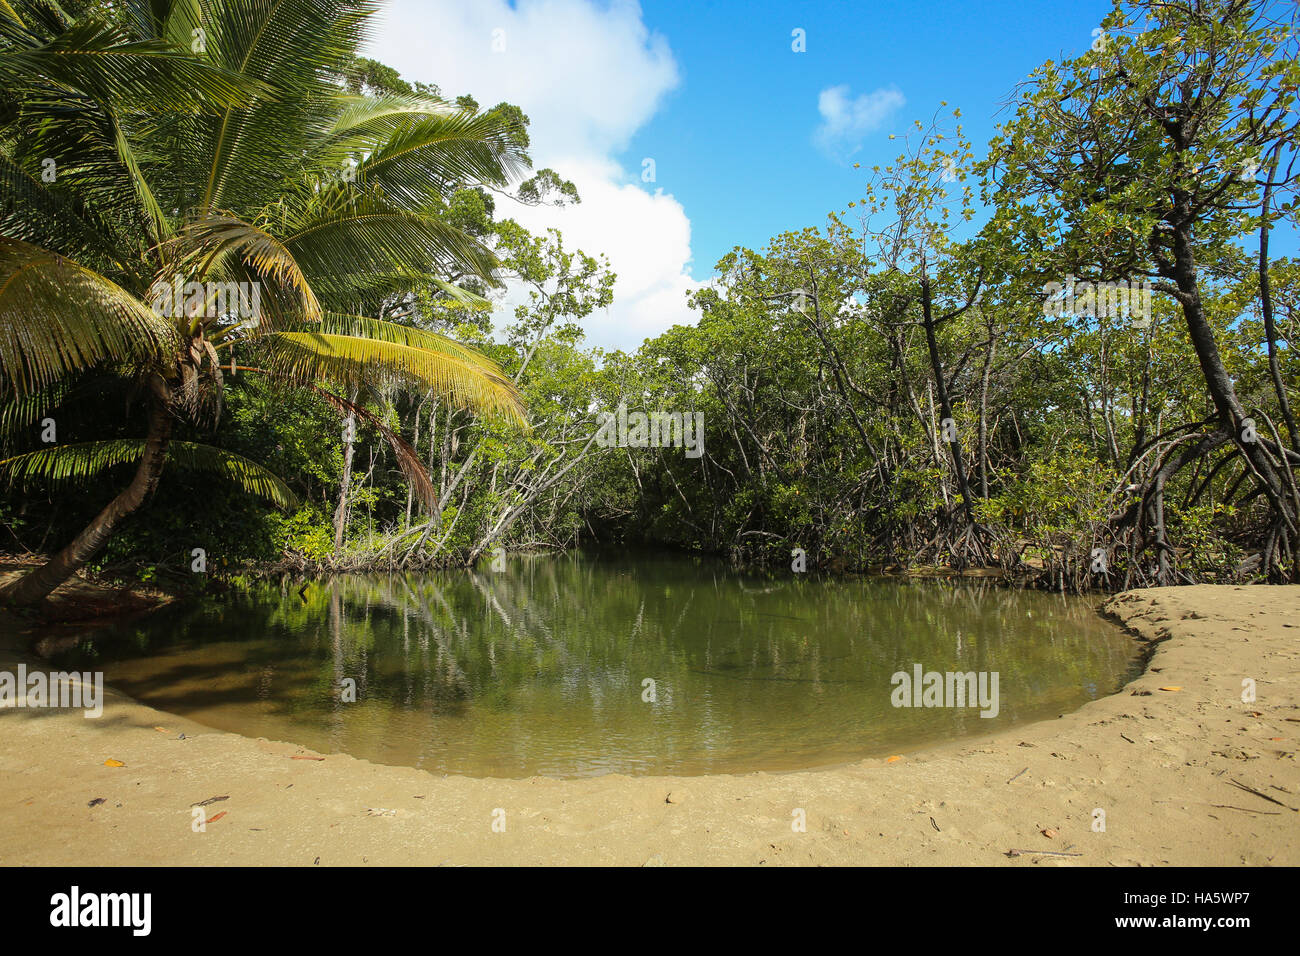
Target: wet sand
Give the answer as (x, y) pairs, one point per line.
(1186, 776)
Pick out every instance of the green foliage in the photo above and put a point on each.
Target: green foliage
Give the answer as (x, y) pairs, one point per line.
(824, 365)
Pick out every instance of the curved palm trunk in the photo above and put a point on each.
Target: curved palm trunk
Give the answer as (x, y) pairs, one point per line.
(37, 585)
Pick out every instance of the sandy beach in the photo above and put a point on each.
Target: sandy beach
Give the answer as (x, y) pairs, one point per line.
(1184, 770)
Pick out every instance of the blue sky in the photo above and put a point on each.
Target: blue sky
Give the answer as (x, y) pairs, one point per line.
(734, 143)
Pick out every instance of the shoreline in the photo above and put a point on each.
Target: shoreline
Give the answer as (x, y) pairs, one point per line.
(1160, 764)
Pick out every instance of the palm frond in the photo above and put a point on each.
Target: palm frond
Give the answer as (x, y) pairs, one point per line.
(361, 326)
(245, 473)
(393, 287)
(89, 395)
(52, 218)
(294, 47)
(371, 118)
(159, 228)
(173, 20)
(343, 239)
(307, 357)
(57, 316)
(95, 58)
(76, 464)
(457, 294)
(222, 246)
(407, 459)
(423, 155)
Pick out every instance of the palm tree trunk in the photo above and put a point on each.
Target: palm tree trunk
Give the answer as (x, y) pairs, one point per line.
(38, 584)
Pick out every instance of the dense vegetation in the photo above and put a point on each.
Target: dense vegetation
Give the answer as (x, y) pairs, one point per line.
(924, 380)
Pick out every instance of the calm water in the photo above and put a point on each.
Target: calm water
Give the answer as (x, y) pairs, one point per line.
(540, 669)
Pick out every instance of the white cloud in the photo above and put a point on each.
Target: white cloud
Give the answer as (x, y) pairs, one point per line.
(846, 121)
(588, 75)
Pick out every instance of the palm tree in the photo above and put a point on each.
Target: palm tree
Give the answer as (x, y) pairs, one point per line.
(187, 182)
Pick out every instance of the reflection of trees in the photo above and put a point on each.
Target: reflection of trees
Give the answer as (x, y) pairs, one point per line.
(565, 642)
(436, 639)
(436, 631)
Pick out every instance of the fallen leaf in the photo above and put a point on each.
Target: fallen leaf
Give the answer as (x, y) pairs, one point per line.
(214, 819)
(161, 730)
(96, 802)
(1171, 688)
(1049, 833)
(893, 758)
(110, 762)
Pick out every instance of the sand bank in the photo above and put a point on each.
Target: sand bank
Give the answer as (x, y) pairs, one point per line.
(1169, 769)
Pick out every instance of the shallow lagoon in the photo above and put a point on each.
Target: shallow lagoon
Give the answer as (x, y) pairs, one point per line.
(543, 668)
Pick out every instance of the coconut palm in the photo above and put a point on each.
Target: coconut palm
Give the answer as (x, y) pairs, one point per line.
(187, 187)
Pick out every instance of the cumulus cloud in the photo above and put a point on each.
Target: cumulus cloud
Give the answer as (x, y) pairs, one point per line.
(588, 75)
(847, 120)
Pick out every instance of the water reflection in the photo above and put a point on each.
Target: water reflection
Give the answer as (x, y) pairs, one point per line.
(544, 668)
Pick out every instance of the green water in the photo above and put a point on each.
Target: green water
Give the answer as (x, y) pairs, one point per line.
(541, 669)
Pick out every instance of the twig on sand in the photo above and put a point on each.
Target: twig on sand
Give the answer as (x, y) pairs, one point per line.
(1228, 806)
(1241, 786)
(1017, 775)
(1042, 853)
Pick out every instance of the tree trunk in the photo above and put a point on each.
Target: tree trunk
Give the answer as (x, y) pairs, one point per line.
(1266, 309)
(38, 584)
(945, 406)
(982, 457)
(341, 512)
(1217, 380)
